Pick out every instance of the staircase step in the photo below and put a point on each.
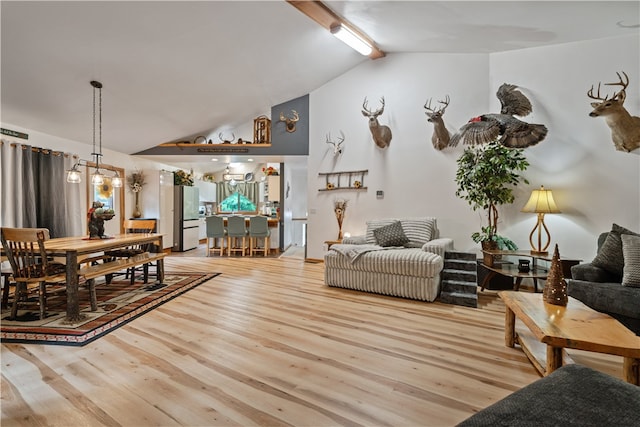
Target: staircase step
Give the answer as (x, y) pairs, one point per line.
(470, 288)
(460, 264)
(456, 298)
(470, 256)
(460, 275)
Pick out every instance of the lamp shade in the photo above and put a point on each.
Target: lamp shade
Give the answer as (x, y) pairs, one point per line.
(541, 201)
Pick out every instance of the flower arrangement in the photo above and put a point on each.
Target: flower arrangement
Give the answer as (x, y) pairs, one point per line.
(357, 184)
(270, 171)
(135, 181)
(339, 208)
(182, 178)
(330, 186)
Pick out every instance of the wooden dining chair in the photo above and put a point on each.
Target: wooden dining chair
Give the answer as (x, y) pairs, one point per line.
(25, 251)
(135, 226)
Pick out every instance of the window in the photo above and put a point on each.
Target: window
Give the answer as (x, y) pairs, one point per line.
(237, 203)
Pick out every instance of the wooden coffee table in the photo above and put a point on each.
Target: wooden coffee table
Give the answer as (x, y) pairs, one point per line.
(574, 326)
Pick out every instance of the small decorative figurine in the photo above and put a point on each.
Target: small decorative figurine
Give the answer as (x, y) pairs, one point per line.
(96, 218)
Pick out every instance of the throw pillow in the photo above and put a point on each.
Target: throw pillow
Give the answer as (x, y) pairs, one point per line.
(631, 252)
(390, 235)
(374, 224)
(419, 230)
(610, 255)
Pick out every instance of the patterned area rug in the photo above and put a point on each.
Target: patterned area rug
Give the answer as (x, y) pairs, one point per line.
(118, 303)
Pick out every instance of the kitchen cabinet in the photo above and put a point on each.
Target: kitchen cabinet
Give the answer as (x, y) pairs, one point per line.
(207, 191)
(273, 188)
(202, 232)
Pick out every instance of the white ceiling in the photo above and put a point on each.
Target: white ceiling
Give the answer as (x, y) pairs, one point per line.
(172, 70)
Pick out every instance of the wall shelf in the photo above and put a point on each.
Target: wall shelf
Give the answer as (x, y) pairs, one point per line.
(347, 180)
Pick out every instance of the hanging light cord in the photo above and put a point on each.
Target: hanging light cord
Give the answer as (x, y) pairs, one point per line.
(97, 85)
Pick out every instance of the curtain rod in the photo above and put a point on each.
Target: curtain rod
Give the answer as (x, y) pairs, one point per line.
(41, 150)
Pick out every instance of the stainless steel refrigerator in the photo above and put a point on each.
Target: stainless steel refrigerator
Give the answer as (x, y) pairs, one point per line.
(185, 224)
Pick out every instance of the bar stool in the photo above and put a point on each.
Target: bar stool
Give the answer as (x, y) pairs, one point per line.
(259, 228)
(215, 230)
(236, 229)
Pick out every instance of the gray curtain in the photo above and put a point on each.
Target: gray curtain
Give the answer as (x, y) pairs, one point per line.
(33, 188)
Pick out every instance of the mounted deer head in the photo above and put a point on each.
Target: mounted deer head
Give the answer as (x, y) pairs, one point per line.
(381, 134)
(290, 123)
(440, 137)
(337, 146)
(227, 141)
(625, 128)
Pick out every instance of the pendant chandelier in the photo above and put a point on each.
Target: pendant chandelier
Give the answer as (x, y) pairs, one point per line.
(97, 177)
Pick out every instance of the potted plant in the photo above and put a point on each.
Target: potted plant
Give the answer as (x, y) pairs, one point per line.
(486, 177)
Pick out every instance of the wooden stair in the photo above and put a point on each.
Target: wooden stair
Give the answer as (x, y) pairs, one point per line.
(459, 279)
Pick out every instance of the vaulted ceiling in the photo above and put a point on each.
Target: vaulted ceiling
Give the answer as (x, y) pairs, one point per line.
(175, 69)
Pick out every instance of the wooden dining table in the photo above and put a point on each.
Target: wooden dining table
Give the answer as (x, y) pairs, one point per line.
(72, 248)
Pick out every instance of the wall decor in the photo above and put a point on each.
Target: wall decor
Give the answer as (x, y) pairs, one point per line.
(290, 123)
(508, 130)
(223, 140)
(337, 146)
(625, 128)
(440, 138)
(381, 134)
(262, 130)
(347, 180)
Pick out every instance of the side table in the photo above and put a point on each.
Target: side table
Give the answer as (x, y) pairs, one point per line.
(509, 269)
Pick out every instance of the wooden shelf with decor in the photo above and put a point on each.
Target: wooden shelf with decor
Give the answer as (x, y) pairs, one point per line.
(354, 180)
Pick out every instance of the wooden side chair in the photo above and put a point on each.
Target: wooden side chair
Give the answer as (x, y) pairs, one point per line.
(135, 226)
(259, 229)
(215, 230)
(24, 249)
(237, 231)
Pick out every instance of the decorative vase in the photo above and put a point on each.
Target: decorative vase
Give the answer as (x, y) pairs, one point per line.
(136, 211)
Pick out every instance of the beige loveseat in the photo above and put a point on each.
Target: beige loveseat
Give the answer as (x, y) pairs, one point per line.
(384, 262)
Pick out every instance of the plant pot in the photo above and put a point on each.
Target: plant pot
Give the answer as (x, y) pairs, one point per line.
(489, 245)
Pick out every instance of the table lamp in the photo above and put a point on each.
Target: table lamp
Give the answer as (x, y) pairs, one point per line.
(540, 202)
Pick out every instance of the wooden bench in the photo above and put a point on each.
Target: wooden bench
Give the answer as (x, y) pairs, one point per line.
(92, 271)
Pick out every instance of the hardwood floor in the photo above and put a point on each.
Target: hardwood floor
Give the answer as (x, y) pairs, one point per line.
(267, 343)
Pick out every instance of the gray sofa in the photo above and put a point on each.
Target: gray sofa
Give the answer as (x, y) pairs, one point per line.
(407, 265)
(601, 288)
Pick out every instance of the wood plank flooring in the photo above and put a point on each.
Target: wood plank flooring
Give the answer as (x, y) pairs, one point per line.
(267, 343)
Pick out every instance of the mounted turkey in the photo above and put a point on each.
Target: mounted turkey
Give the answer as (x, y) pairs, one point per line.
(508, 130)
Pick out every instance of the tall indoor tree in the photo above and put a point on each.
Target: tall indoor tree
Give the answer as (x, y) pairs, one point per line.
(486, 176)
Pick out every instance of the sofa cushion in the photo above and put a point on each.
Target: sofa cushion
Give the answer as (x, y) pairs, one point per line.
(418, 230)
(631, 252)
(610, 298)
(573, 395)
(390, 235)
(400, 261)
(610, 256)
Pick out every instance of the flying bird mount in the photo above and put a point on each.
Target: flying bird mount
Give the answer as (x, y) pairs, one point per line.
(504, 127)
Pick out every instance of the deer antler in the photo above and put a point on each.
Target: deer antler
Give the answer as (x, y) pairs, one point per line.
(221, 137)
(368, 113)
(445, 103)
(295, 116)
(620, 82)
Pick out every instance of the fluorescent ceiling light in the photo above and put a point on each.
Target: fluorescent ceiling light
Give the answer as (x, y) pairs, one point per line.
(352, 39)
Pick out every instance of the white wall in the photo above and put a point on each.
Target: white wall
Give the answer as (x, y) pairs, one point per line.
(594, 185)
